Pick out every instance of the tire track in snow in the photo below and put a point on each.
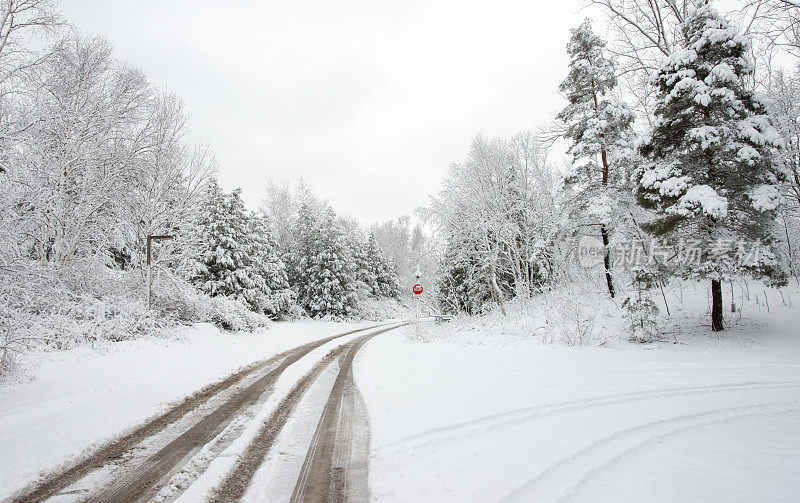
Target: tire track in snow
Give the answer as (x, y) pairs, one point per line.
(494, 421)
(327, 469)
(119, 451)
(562, 479)
(236, 482)
(576, 488)
(142, 484)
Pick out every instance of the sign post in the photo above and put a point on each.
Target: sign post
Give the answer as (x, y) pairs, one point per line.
(417, 292)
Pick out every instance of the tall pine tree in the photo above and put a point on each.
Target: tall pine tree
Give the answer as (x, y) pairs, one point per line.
(365, 269)
(709, 175)
(598, 128)
(374, 273)
(298, 258)
(222, 267)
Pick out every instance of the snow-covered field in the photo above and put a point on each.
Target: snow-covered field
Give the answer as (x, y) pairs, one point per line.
(85, 397)
(706, 419)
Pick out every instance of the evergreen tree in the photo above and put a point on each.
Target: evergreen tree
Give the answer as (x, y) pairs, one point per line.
(365, 270)
(596, 127)
(640, 310)
(710, 153)
(298, 258)
(381, 272)
(237, 256)
(223, 265)
(374, 274)
(274, 297)
(330, 272)
(376, 271)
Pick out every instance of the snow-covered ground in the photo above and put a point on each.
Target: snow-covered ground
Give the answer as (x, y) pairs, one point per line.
(473, 410)
(84, 397)
(706, 419)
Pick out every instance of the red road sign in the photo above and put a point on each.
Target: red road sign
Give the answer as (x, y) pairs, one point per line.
(417, 289)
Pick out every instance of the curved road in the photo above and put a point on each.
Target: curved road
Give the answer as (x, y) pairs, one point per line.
(137, 466)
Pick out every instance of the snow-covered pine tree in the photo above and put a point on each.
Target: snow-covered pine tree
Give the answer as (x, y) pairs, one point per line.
(223, 265)
(237, 256)
(268, 270)
(382, 271)
(364, 268)
(640, 310)
(709, 174)
(330, 271)
(597, 127)
(298, 258)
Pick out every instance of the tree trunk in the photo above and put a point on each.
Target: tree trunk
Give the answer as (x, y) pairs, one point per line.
(603, 232)
(792, 266)
(716, 305)
(497, 293)
(607, 260)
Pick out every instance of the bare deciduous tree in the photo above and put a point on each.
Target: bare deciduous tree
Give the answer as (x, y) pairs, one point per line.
(775, 23)
(19, 18)
(645, 32)
(494, 211)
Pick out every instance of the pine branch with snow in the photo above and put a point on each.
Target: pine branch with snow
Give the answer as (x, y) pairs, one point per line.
(711, 153)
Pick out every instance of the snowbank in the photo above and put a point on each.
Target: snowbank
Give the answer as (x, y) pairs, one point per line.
(575, 316)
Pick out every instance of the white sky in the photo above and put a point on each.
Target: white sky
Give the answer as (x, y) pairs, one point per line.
(369, 101)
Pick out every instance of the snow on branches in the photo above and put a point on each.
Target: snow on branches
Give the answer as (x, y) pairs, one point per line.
(711, 150)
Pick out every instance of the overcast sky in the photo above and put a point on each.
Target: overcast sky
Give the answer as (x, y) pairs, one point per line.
(369, 101)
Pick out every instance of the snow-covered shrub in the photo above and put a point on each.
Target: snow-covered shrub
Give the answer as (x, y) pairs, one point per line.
(574, 315)
(379, 309)
(178, 301)
(524, 323)
(230, 314)
(62, 307)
